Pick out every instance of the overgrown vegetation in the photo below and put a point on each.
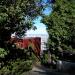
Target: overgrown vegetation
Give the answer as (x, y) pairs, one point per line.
(16, 62)
(61, 26)
(16, 67)
(16, 17)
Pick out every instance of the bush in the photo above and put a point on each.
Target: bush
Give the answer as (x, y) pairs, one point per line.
(3, 53)
(5, 71)
(33, 57)
(67, 48)
(16, 61)
(44, 59)
(21, 67)
(16, 67)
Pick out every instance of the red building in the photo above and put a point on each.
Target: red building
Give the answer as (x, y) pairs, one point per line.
(33, 42)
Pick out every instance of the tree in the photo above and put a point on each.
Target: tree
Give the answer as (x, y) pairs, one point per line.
(16, 16)
(61, 25)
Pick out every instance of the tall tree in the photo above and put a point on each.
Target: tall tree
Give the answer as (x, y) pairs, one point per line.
(61, 25)
(16, 16)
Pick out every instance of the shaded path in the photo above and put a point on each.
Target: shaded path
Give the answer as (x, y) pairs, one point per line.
(40, 70)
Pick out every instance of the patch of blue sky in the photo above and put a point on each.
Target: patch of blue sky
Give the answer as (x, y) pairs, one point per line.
(41, 28)
(45, 1)
(47, 11)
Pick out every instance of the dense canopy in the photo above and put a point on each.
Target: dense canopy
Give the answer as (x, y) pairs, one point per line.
(61, 25)
(16, 16)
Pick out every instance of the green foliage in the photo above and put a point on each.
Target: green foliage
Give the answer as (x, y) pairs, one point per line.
(3, 53)
(5, 71)
(21, 66)
(16, 67)
(60, 24)
(16, 16)
(45, 58)
(33, 57)
(16, 61)
(67, 48)
(61, 27)
(3, 17)
(54, 58)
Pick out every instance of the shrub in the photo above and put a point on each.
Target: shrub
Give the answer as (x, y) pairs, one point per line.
(44, 59)
(5, 71)
(3, 53)
(16, 67)
(21, 67)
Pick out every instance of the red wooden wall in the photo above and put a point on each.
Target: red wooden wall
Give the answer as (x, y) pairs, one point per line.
(25, 43)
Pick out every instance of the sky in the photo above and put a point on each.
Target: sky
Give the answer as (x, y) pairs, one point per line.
(41, 28)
